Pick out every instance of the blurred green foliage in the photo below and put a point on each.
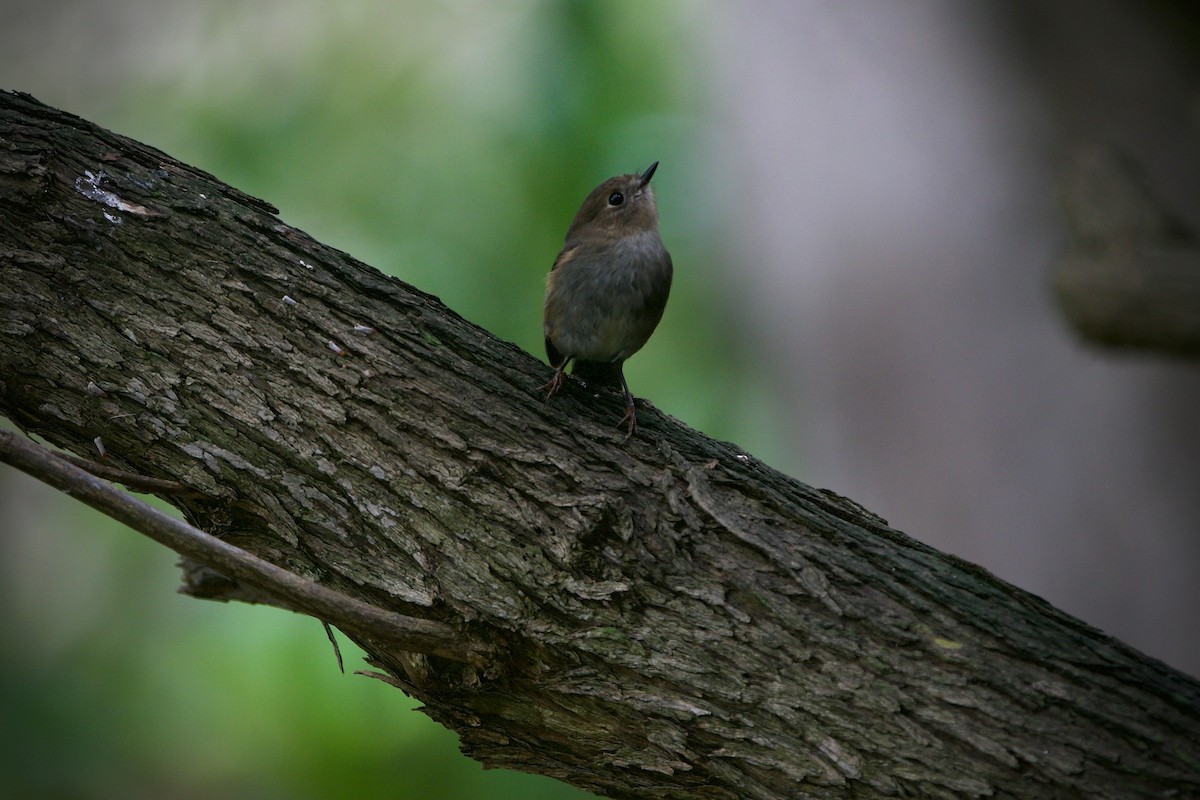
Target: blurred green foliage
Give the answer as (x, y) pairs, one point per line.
(449, 145)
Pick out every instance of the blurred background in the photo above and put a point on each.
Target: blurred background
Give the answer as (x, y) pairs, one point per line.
(860, 201)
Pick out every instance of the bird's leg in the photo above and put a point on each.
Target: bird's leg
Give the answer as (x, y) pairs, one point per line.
(630, 418)
(555, 384)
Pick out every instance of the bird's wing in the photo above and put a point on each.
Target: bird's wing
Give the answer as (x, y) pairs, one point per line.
(564, 255)
(552, 355)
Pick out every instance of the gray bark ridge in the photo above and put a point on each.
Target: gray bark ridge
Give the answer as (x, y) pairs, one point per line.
(670, 618)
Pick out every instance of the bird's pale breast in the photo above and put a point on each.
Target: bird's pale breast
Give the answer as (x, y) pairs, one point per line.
(603, 303)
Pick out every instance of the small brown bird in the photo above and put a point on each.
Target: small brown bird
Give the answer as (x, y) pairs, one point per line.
(608, 287)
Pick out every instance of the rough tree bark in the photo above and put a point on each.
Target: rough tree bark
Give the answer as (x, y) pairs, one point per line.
(666, 618)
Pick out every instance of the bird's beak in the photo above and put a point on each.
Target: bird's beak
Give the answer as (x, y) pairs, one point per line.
(648, 174)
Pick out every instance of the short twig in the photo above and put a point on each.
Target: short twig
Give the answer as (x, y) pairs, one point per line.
(403, 632)
(132, 480)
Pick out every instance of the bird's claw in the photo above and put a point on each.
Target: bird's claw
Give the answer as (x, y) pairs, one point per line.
(629, 421)
(554, 385)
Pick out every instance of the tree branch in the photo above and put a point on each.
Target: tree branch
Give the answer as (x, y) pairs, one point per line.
(1130, 276)
(663, 619)
(388, 629)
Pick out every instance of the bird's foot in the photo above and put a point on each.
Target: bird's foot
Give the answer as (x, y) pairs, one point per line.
(554, 385)
(629, 421)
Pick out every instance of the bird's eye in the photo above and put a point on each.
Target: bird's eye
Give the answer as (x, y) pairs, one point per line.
(616, 198)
